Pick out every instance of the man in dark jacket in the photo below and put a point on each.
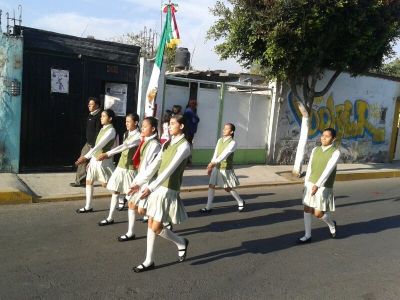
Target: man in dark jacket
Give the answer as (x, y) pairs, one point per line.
(93, 127)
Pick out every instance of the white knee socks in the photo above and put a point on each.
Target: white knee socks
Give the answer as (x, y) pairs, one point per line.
(131, 222)
(327, 219)
(211, 193)
(237, 197)
(307, 226)
(113, 205)
(151, 237)
(173, 237)
(89, 196)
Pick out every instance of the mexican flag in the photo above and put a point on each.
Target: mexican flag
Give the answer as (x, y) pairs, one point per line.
(169, 38)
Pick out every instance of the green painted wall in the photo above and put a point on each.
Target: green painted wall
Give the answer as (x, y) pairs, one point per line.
(242, 156)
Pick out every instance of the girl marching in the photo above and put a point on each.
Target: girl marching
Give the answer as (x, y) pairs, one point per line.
(122, 178)
(99, 170)
(164, 203)
(220, 169)
(318, 197)
(144, 155)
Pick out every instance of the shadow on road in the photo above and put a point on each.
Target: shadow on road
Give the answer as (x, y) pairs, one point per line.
(282, 242)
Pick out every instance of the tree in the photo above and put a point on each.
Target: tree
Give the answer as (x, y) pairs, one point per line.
(392, 68)
(296, 40)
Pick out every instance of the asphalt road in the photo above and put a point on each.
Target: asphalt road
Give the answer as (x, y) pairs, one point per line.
(49, 252)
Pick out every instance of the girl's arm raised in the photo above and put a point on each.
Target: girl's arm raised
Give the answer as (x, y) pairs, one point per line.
(182, 153)
(127, 144)
(228, 150)
(108, 136)
(152, 152)
(149, 172)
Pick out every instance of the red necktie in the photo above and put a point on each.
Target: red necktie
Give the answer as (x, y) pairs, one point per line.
(136, 156)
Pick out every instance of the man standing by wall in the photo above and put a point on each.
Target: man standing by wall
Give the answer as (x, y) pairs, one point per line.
(93, 127)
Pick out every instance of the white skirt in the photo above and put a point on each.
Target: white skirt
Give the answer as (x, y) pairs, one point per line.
(224, 178)
(323, 199)
(165, 205)
(99, 170)
(121, 180)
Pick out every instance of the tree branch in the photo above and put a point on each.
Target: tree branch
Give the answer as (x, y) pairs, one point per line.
(328, 85)
(293, 87)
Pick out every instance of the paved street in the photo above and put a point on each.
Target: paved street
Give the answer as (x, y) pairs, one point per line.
(50, 252)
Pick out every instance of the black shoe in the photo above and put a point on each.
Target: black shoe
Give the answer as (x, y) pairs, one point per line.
(121, 206)
(182, 258)
(84, 210)
(300, 241)
(125, 238)
(205, 211)
(74, 184)
(143, 268)
(333, 235)
(105, 222)
(169, 226)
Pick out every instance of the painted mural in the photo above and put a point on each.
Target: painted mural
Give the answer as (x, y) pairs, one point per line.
(360, 125)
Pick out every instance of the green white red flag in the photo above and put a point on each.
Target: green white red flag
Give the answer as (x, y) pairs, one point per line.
(169, 38)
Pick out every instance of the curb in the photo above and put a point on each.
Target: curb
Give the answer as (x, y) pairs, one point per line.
(14, 196)
(60, 198)
(369, 175)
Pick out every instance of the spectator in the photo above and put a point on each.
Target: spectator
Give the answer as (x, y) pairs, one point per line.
(93, 127)
(165, 136)
(176, 110)
(192, 119)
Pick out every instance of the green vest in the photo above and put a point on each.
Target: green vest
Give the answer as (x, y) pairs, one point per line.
(226, 164)
(318, 164)
(125, 161)
(108, 146)
(175, 180)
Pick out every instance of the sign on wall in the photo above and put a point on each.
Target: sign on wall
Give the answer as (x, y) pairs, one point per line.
(59, 81)
(116, 98)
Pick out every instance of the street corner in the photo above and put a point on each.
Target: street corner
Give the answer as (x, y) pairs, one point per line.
(14, 196)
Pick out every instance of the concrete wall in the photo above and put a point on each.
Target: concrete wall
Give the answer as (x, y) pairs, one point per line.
(361, 109)
(10, 106)
(248, 111)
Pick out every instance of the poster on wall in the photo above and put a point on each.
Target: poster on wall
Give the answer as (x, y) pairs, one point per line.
(59, 81)
(116, 98)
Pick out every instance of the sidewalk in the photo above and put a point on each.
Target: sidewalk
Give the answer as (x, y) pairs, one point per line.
(45, 187)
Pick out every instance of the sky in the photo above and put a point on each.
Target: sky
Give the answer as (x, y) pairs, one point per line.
(109, 19)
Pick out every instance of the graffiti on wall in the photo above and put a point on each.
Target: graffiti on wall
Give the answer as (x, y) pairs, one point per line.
(351, 121)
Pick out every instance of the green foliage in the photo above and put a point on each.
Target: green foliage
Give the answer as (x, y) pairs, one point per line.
(392, 68)
(295, 40)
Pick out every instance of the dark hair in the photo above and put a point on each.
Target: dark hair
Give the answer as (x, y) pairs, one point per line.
(177, 107)
(182, 121)
(153, 123)
(133, 116)
(233, 128)
(166, 116)
(95, 100)
(110, 113)
(331, 130)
